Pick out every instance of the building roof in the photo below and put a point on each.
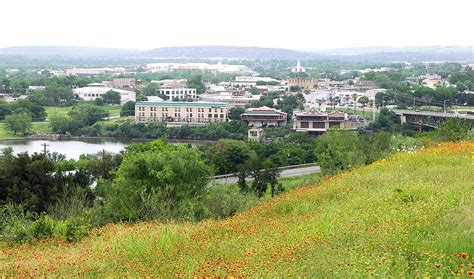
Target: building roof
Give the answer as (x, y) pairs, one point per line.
(182, 104)
(269, 113)
(264, 110)
(99, 90)
(313, 111)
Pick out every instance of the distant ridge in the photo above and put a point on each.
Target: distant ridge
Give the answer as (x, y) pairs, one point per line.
(376, 54)
(232, 52)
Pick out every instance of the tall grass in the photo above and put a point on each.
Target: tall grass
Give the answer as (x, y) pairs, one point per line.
(409, 215)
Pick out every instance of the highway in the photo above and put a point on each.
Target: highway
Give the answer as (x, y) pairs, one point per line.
(284, 173)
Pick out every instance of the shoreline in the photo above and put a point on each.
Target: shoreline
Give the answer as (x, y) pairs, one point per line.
(57, 137)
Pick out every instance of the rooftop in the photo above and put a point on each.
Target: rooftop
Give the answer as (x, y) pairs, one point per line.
(182, 104)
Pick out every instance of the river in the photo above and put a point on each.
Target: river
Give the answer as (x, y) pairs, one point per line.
(71, 148)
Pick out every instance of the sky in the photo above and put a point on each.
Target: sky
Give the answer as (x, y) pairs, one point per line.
(293, 24)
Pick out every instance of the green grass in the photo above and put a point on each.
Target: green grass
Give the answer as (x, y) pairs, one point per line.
(113, 110)
(36, 127)
(410, 215)
(5, 134)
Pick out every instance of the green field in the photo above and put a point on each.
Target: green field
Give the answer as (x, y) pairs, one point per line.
(113, 110)
(5, 134)
(410, 215)
(45, 128)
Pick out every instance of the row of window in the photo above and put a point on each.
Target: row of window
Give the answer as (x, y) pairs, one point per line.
(188, 119)
(179, 109)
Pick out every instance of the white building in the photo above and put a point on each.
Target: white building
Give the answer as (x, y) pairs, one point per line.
(250, 81)
(94, 91)
(181, 93)
(219, 67)
(170, 83)
(94, 71)
(298, 68)
(229, 98)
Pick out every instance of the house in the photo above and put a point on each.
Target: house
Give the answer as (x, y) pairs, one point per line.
(121, 83)
(317, 123)
(264, 117)
(95, 90)
(179, 93)
(179, 113)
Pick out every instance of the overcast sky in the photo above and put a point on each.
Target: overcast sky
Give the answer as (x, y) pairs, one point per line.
(295, 24)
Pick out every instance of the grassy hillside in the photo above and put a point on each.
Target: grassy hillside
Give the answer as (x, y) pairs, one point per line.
(409, 215)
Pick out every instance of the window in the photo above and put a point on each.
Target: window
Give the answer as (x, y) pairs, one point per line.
(222, 116)
(304, 124)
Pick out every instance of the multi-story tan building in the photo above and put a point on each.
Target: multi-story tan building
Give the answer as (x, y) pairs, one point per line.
(179, 113)
(303, 82)
(123, 83)
(317, 123)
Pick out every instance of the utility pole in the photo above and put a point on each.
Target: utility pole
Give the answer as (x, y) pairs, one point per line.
(444, 106)
(45, 145)
(103, 162)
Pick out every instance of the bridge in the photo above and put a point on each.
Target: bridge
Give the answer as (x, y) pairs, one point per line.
(429, 118)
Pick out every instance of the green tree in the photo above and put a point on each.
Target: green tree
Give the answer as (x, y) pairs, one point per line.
(228, 156)
(157, 180)
(339, 150)
(195, 81)
(454, 129)
(88, 114)
(235, 112)
(151, 89)
(111, 97)
(18, 122)
(128, 109)
(254, 90)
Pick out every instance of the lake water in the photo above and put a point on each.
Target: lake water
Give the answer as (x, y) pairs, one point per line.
(71, 148)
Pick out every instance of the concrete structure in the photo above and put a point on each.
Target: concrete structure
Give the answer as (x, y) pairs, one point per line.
(179, 113)
(232, 99)
(317, 123)
(298, 68)
(219, 67)
(32, 88)
(303, 82)
(430, 119)
(250, 81)
(170, 83)
(94, 71)
(180, 93)
(256, 134)
(121, 83)
(93, 91)
(264, 117)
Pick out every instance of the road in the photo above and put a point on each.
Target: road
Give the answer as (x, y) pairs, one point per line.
(284, 173)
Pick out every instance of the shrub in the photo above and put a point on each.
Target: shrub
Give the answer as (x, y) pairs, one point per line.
(454, 130)
(224, 201)
(77, 227)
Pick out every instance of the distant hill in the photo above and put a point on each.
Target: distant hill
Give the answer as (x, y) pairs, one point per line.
(396, 54)
(232, 52)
